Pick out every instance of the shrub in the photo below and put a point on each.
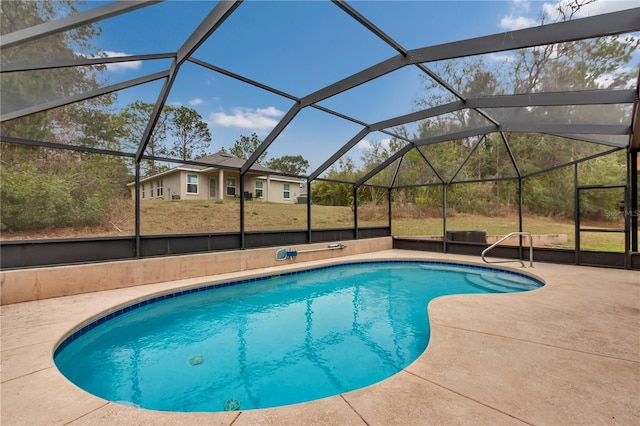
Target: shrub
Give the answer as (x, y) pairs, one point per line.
(33, 200)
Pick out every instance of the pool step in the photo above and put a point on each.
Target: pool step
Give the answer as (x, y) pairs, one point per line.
(513, 281)
(491, 285)
(450, 268)
(494, 281)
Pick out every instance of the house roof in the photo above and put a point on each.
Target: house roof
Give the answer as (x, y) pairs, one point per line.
(221, 158)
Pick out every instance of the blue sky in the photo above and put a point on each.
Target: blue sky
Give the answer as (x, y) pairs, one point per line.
(299, 47)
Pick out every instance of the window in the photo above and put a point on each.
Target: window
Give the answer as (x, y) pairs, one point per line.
(286, 194)
(231, 187)
(150, 189)
(159, 188)
(142, 186)
(259, 193)
(192, 184)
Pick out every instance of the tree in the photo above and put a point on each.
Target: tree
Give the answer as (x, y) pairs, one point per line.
(60, 188)
(24, 89)
(291, 164)
(579, 65)
(135, 118)
(336, 193)
(376, 153)
(191, 133)
(41, 186)
(245, 146)
(98, 129)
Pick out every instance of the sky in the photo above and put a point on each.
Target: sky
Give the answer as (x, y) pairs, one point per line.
(298, 47)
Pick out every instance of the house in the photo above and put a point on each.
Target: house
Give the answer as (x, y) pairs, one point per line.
(220, 182)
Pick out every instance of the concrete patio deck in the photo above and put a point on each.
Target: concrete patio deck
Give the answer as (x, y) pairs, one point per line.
(568, 353)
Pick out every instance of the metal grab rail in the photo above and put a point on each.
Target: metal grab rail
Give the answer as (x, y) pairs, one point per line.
(485, 251)
(284, 253)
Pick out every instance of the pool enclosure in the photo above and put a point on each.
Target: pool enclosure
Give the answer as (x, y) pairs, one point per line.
(138, 129)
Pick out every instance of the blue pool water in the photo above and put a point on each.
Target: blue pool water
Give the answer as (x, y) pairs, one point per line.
(270, 341)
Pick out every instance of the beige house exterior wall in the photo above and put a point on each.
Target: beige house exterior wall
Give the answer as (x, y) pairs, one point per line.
(203, 190)
(175, 186)
(171, 185)
(277, 193)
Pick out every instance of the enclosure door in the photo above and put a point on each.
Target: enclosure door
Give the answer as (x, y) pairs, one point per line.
(601, 220)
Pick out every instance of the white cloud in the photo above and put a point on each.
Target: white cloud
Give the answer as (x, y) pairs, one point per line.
(176, 103)
(270, 111)
(502, 58)
(590, 9)
(520, 4)
(247, 118)
(121, 66)
(551, 9)
(365, 144)
(517, 19)
(196, 101)
(512, 23)
(520, 13)
(605, 80)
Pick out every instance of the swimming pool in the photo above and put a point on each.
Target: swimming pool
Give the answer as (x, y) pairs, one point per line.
(271, 340)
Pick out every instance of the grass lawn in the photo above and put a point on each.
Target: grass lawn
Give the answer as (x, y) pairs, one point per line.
(159, 217)
(503, 225)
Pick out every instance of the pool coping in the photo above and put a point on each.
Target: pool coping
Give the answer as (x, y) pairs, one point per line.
(563, 359)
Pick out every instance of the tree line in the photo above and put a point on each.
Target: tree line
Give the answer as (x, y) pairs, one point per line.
(579, 65)
(43, 187)
(487, 184)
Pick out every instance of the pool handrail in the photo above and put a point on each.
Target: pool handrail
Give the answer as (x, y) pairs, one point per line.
(485, 251)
